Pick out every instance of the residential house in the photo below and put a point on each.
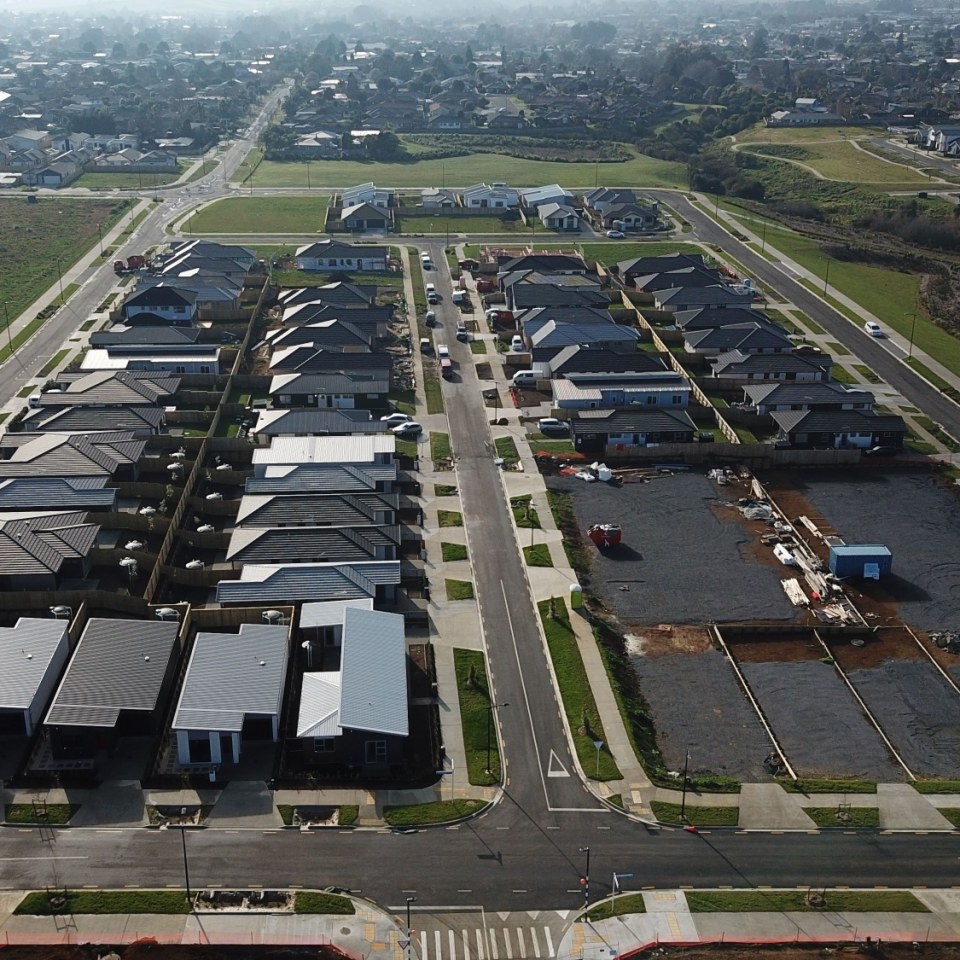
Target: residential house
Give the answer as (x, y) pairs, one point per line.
(802, 367)
(617, 432)
(232, 694)
(664, 263)
(367, 193)
(316, 544)
(32, 655)
(579, 358)
(764, 398)
(348, 450)
(54, 175)
(839, 428)
(438, 198)
(137, 421)
(689, 298)
(620, 207)
(532, 198)
(316, 509)
(37, 493)
(334, 334)
(112, 455)
(363, 217)
(356, 716)
(28, 140)
(297, 582)
(745, 337)
(706, 318)
(526, 296)
(326, 478)
(559, 217)
(161, 302)
(318, 145)
(336, 390)
(338, 293)
(40, 549)
(106, 388)
(552, 263)
(333, 255)
(312, 423)
(496, 196)
(591, 391)
(115, 685)
(315, 358)
(686, 277)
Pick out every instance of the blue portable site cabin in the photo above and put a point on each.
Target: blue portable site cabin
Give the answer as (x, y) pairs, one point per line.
(868, 561)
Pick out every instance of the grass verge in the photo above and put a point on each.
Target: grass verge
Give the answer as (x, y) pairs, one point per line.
(459, 589)
(444, 490)
(771, 901)
(423, 814)
(312, 901)
(856, 818)
(478, 346)
(701, 816)
(506, 449)
(440, 448)
(53, 813)
(479, 739)
(936, 786)
(453, 551)
(449, 518)
(828, 786)
(537, 555)
(39, 904)
(618, 907)
(578, 702)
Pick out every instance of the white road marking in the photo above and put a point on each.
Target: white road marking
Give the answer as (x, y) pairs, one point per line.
(521, 942)
(536, 942)
(506, 943)
(466, 946)
(480, 954)
(550, 951)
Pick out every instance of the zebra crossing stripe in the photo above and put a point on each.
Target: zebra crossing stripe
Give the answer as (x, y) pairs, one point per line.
(493, 945)
(436, 942)
(424, 952)
(506, 943)
(466, 945)
(550, 951)
(536, 942)
(480, 955)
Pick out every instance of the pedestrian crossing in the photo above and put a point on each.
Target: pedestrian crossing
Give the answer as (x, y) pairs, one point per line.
(493, 941)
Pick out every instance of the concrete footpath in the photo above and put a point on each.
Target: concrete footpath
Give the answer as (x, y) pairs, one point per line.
(372, 932)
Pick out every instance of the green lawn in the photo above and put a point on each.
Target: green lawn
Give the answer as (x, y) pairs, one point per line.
(842, 374)
(444, 490)
(866, 373)
(761, 133)
(779, 901)
(423, 814)
(129, 181)
(701, 816)
(54, 362)
(478, 346)
(578, 702)
(828, 786)
(449, 518)
(610, 251)
(476, 720)
(537, 555)
(952, 814)
(442, 225)
(475, 168)
(887, 293)
(452, 552)
(459, 589)
(936, 786)
(261, 215)
(552, 446)
(525, 513)
(620, 906)
(310, 901)
(506, 448)
(55, 813)
(440, 448)
(857, 818)
(841, 160)
(106, 902)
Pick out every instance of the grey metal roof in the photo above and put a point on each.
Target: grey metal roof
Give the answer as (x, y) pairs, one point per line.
(686, 277)
(578, 358)
(322, 478)
(702, 295)
(74, 493)
(700, 318)
(373, 673)
(330, 612)
(658, 264)
(306, 423)
(337, 249)
(748, 337)
(59, 455)
(808, 393)
(771, 362)
(314, 509)
(639, 420)
(337, 449)
(38, 542)
(339, 293)
(93, 419)
(319, 714)
(27, 650)
(331, 332)
(346, 382)
(311, 358)
(110, 388)
(836, 421)
(294, 583)
(233, 675)
(118, 665)
(144, 336)
(312, 544)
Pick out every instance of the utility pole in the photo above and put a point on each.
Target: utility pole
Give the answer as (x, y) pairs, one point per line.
(586, 878)
(683, 794)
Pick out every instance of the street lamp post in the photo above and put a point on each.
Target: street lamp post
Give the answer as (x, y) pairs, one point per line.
(826, 278)
(6, 316)
(60, 278)
(100, 233)
(491, 706)
(586, 878)
(409, 901)
(683, 793)
(913, 330)
(763, 238)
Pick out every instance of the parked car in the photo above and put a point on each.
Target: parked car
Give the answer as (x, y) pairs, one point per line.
(462, 333)
(517, 342)
(430, 318)
(873, 328)
(409, 429)
(395, 419)
(883, 450)
(425, 345)
(552, 425)
(616, 234)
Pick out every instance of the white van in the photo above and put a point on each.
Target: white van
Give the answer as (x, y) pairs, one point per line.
(458, 296)
(524, 378)
(873, 328)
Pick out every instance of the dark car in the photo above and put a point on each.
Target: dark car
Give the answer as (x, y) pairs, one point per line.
(705, 436)
(883, 450)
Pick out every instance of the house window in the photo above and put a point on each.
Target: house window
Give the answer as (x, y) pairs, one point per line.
(179, 368)
(676, 399)
(651, 400)
(204, 367)
(375, 751)
(324, 744)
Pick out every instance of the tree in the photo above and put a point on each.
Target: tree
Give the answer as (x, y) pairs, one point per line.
(759, 43)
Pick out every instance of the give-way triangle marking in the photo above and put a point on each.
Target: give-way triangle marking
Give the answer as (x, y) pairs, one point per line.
(555, 768)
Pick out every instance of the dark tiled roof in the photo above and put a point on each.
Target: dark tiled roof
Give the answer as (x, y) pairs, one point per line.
(836, 421)
(643, 420)
(314, 509)
(311, 544)
(39, 544)
(81, 419)
(75, 493)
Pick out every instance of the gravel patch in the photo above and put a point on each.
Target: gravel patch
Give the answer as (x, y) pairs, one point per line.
(917, 519)
(818, 722)
(698, 705)
(680, 560)
(917, 710)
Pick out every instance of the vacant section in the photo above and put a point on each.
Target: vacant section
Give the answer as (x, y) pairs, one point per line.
(697, 705)
(917, 518)
(819, 724)
(680, 560)
(917, 710)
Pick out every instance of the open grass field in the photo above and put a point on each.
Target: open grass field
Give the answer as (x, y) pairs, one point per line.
(889, 294)
(130, 181)
(261, 215)
(841, 160)
(34, 236)
(806, 135)
(614, 251)
(461, 224)
(640, 171)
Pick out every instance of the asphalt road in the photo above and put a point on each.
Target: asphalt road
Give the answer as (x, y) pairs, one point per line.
(879, 354)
